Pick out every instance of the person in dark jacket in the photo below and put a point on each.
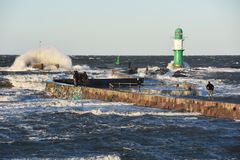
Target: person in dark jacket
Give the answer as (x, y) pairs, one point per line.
(85, 77)
(210, 88)
(75, 78)
(139, 84)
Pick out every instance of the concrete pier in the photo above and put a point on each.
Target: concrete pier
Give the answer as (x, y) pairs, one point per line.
(206, 108)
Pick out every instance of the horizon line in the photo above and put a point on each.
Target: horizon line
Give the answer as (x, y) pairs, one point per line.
(135, 54)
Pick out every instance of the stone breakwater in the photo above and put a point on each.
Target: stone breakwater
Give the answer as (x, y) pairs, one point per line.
(206, 108)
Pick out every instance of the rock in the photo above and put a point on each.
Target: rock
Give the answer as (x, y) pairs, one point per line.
(132, 70)
(162, 71)
(38, 66)
(179, 74)
(5, 83)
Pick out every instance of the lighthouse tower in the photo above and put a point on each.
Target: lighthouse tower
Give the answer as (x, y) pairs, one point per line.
(178, 48)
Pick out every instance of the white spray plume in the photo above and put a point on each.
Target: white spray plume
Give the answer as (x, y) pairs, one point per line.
(47, 56)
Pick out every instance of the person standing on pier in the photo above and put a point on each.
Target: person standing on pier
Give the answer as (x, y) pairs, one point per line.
(210, 88)
(84, 78)
(139, 84)
(75, 78)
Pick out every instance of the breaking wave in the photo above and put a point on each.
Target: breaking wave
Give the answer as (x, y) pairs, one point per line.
(217, 69)
(135, 113)
(171, 67)
(49, 57)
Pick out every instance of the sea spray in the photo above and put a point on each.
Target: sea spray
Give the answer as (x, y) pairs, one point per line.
(171, 66)
(46, 56)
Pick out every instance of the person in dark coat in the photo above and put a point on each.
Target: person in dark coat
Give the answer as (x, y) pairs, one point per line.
(210, 88)
(75, 78)
(139, 84)
(85, 77)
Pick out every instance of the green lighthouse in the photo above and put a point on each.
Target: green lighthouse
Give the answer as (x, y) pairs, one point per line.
(117, 62)
(178, 48)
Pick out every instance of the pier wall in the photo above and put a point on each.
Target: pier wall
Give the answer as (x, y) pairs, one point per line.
(207, 108)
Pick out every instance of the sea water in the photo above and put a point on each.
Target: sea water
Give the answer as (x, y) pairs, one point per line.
(35, 125)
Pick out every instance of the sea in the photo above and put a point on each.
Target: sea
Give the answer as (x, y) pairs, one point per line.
(34, 125)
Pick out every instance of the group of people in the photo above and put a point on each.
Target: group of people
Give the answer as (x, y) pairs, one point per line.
(80, 78)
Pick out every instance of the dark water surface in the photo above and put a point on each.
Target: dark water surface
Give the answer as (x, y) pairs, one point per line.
(67, 134)
(34, 125)
(143, 61)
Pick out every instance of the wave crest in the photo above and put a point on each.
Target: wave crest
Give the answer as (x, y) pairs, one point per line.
(47, 56)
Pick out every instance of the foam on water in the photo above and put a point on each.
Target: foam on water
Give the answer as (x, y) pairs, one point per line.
(81, 107)
(102, 157)
(93, 73)
(47, 56)
(31, 81)
(81, 67)
(221, 89)
(134, 114)
(6, 98)
(97, 157)
(142, 71)
(215, 69)
(171, 67)
(93, 129)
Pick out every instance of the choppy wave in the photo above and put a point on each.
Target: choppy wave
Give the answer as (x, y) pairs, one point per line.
(33, 124)
(215, 69)
(101, 157)
(47, 56)
(94, 107)
(81, 67)
(98, 157)
(171, 67)
(138, 113)
(31, 81)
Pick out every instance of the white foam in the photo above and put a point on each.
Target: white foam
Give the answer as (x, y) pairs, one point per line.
(191, 118)
(142, 71)
(7, 98)
(103, 157)
(59, 103)
(134, 114)
(221, 89)
(92, 73)
(168, 77)
(226, 90)
(47, 56)
(4, 68)
(31, 81)
(98, 157)
(215, 69)
(171, 67)
(81, 67)
(86, 106)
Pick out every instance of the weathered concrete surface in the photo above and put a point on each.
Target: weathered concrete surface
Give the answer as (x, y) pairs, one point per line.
(207, 108)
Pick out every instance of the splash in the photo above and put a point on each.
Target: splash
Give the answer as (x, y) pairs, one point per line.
(49, 57)
(171, 67)
(82, 68)
(99, 112)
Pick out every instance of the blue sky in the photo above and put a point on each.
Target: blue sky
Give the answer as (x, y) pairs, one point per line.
(113, 27)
